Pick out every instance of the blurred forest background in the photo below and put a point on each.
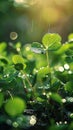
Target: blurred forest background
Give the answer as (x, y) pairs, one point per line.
(29, 20)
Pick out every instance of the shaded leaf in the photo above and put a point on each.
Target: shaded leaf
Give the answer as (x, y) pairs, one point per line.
(69, 86)
(19, 66)
(56, 97)
(1, 98)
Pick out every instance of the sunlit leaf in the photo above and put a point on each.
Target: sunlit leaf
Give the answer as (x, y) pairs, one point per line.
(42, 72)
(54, 47)
(51, 41)
(63, 49)
(3, 46)
(17, 59)
(70, 37)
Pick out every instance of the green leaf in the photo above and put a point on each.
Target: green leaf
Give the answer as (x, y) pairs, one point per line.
(51, 41)
(1, 98)
(39, 99)
(70, 37)
(4, 60)
(20, 66)
(3, 46)
(17, 59)
(56, 97)
(42, 72)
(69, 86)
(18, 45)
(1, 69)
(57, 127)
(55, 46)
(37, 48)
(15, 106)
(62, 76)
(71, 115)
(69, 52)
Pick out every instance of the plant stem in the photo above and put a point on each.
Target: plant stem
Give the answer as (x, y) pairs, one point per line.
(23, 73)
(48, 62)
(10, 94)
(28, 81)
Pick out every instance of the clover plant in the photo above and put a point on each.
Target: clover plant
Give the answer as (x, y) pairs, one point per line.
(36, 83)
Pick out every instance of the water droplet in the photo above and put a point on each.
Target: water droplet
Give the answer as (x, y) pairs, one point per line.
(0, 89)
(65, 122)
(69, 72)
(44, 93)
(66, 66)
(27, 48)
(15, 124)
(61, 69)
(33, 120)
(60, 122)
(69, 99)
(71, 115)
(63, 100)
(18, 49)
(33, 116)
(57, 123)
(9, 122)
(7, 75)
(49, 94)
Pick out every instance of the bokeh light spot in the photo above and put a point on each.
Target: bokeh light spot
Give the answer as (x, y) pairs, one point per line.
(13, 35)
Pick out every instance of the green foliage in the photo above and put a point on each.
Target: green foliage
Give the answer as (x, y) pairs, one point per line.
(3, 46)
(17, 59)
(1, 98)
(51, 41)
(56, 97)
(36, 84)
(42, 72)
(70, 37)
(15, 106)
(69, 86)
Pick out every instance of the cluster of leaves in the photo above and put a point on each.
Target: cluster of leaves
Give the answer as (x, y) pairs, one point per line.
(36, 83)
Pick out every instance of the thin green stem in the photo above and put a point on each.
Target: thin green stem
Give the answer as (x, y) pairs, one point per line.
(28, 81)
(10, 94)
(32, 88)
(48, 62)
